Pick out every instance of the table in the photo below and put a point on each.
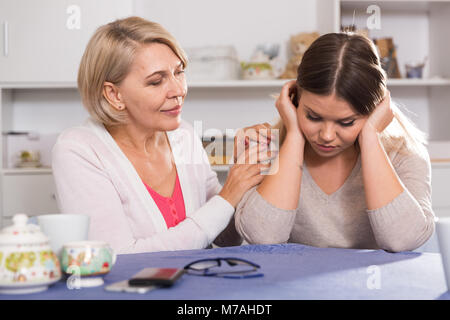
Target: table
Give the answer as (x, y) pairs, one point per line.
(291, 272)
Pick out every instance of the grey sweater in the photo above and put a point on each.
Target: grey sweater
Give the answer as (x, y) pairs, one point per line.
(341, 219)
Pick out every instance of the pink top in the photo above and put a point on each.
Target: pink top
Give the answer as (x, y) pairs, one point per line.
(172, 208)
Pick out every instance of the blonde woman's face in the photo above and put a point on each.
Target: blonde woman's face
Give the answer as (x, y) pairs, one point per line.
(154, 90)
(329, 124)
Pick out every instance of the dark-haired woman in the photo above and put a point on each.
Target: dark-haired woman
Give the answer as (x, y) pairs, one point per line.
(353, 171)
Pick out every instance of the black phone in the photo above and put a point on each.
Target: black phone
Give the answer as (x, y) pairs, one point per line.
(156, 276)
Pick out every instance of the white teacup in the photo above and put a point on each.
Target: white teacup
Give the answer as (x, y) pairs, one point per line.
(64, 228)
(443, 233)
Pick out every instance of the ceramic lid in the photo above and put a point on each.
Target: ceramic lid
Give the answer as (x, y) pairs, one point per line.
(22, 233)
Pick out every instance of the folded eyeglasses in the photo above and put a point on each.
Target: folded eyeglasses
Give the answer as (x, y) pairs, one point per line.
(228, 267)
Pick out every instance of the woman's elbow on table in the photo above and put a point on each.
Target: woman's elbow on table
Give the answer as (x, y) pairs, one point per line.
(259, 223)
(409, 241)
(258, 236)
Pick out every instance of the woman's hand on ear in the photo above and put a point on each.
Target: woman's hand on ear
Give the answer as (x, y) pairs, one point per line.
(287, 109)
(381, 117)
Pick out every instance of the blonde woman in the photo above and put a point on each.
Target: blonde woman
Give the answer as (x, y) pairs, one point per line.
(135, 167)
(352, 170)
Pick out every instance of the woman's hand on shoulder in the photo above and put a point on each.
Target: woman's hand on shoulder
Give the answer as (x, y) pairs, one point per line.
(259, 136)
(243, 175)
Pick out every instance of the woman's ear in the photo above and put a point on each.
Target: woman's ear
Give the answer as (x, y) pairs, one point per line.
(113, 96)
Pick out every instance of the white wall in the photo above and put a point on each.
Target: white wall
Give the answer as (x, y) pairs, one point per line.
(243, 24)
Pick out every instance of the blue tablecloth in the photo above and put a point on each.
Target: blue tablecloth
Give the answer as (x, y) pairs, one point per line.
(291, 271)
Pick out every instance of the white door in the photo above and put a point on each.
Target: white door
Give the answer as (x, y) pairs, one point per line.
(43, 41)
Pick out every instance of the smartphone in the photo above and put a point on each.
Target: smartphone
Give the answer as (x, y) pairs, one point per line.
(156, 276)
(123, 286)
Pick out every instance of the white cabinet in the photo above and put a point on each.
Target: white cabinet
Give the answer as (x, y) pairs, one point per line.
(44, 40)
(32, 193)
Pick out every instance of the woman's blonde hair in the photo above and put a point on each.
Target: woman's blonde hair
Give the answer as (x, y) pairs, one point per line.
(108, 57)
(348, 65)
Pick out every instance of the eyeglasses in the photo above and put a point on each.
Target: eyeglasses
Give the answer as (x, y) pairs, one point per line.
(234, 268)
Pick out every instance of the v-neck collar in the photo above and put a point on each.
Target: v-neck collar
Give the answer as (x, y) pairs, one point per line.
(157, 194)
(174, 138)
(353, 173)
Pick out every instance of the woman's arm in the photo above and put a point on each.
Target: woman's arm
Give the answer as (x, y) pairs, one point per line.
(398, 199)
(266, 214)
(281, 187)
(84, 187)
(229, 236)
(406, 222)
(381, 183)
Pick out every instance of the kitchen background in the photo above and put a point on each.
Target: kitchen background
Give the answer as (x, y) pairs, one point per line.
(237, 51)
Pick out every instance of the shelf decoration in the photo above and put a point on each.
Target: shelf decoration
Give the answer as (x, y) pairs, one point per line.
(388, 57)
(415, 69)
(264, 63)
(299, 43)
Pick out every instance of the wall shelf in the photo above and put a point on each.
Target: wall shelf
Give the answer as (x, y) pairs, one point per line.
(38, 85)
(279, 83)
(276, 83)
(26, 171)
(418, 82)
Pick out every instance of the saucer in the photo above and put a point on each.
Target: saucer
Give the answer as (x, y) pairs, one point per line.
(88, 282)
(25, 288)
(78, 282)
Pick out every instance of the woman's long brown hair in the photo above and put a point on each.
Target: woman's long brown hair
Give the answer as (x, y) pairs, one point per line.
(348, 66)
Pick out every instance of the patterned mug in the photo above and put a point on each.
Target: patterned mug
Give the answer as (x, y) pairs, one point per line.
(87, 258)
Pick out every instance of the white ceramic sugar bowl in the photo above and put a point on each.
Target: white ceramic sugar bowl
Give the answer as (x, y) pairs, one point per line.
(27, 263)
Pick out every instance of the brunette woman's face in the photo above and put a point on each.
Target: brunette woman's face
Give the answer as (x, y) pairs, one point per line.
(329, 124)
(153, 91)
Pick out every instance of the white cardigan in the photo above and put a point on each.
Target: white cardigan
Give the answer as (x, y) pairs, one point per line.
(94, 177)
